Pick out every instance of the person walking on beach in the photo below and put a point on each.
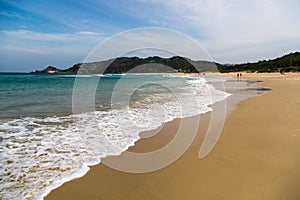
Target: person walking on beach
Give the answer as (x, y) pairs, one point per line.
(238, 76)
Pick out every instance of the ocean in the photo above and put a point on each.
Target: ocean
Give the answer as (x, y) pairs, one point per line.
(53, 127)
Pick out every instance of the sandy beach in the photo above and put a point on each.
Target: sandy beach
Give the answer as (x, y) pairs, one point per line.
(256, 157)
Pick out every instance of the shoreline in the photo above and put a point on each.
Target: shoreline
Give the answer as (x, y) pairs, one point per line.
(133, 148)
(86, 185)
(62, 158)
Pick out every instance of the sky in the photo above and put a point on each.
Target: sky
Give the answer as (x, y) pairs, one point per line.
(35, 34)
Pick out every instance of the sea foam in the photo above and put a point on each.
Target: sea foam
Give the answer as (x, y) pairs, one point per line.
(40, 154)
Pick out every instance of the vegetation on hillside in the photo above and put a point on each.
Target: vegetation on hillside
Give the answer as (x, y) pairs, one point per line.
(287, 63)
(155, 64)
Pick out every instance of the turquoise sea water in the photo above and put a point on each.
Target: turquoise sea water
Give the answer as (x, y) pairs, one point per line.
(34, 95)
(52, 127)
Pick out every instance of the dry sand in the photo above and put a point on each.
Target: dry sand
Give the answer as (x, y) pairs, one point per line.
(257, 156)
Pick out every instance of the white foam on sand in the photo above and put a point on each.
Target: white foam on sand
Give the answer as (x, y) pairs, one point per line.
(40, 154)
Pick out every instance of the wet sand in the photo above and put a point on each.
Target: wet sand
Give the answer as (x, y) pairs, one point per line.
(256, 157)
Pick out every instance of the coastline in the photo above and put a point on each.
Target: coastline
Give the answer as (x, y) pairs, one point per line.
(237, 168)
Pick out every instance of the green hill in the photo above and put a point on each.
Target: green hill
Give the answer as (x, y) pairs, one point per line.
(287, 63)
(121, 65)
(155, 64)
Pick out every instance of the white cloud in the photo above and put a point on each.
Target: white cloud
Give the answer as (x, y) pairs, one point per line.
(29, 49)
(230, 30)
(14, 15)
(223, 26)
(39, 36)
(148, 42)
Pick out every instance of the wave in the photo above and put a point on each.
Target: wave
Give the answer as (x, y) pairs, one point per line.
(40, 154)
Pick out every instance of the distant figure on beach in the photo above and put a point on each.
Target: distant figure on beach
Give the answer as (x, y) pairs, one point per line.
(238, 76)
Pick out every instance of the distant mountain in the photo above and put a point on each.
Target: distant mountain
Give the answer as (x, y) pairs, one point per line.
(286, 63)
(155, 64)
(137, 65)
(54, 70)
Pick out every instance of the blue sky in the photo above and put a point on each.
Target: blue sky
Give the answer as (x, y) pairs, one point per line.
(35, 34)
